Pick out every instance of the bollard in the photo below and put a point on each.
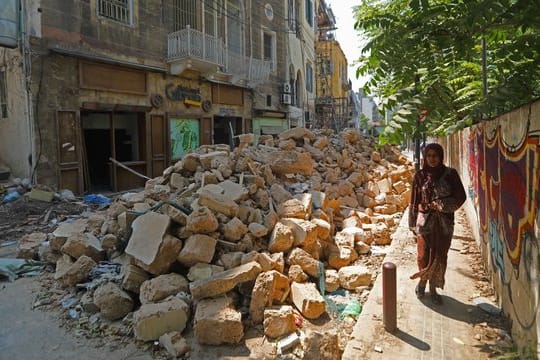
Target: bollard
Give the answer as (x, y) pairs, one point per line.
(389, 296)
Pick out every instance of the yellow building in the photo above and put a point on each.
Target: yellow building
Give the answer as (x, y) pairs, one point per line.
(332, 102)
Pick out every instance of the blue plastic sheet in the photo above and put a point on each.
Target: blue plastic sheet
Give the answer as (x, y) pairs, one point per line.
(96, 199)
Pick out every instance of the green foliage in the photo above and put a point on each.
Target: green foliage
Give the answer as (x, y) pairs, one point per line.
(427, 55)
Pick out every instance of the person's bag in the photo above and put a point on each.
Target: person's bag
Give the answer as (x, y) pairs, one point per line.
(426, 222)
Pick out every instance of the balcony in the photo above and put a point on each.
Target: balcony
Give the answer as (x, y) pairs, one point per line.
(190, 49)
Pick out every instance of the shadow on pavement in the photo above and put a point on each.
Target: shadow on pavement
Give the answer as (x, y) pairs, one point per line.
(468, 313)
(411, 340)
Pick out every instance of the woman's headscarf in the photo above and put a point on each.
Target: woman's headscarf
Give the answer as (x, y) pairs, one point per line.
(431, 174)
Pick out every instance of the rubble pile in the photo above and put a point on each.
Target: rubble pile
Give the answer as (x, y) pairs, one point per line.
(227, 239)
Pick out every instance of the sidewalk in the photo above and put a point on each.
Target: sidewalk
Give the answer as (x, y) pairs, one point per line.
(425, 331)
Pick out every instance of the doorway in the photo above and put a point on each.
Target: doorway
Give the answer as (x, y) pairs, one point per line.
(117, 135)
(226, 128)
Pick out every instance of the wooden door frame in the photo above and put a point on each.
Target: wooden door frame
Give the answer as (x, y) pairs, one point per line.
(77, 165)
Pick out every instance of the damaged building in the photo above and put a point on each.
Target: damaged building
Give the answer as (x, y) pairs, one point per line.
(94, 88)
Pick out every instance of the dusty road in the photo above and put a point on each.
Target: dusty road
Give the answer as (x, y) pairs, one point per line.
(27, 334)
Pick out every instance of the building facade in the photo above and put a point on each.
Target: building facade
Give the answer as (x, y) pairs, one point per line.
(334, 105)
(96, 86)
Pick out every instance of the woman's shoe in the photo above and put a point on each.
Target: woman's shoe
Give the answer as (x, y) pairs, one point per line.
(420, 291)
(435, 298)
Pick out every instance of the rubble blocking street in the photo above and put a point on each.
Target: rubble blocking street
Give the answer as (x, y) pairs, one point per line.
(267, 241)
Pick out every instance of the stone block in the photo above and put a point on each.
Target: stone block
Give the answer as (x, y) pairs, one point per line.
(234, 230)
(153, 320)
(148, 233)
(166, 256)
(282, 238)
(218, 202)
(279, 321)
(202, 221)
(216, 322)
(307, 300)
(113, 302)
(270, 287)
(162, 286)
(351, 277)
(225, 281)
(199, 248)
(303, 259)
(133, 277)
(202, 271)
(76, 272)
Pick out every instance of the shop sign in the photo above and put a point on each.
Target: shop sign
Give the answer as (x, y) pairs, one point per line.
(182, 93)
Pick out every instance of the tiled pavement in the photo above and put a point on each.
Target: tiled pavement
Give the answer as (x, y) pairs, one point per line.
(425, 330)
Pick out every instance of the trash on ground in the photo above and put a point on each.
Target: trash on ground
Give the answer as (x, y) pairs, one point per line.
(13, 268)
(96, 199)
(353, 309)
(12, 196)
(288, 342)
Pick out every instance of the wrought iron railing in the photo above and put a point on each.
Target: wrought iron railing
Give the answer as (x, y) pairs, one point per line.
(191, 43)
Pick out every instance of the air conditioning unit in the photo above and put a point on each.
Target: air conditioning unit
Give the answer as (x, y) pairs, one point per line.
(286, 99)
(287, 88)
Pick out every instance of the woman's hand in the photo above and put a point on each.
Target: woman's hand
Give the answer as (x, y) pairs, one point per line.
(435, 205)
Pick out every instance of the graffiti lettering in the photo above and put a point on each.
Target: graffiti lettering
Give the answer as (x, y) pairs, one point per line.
(496, 247)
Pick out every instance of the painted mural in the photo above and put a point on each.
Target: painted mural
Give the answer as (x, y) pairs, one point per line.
(504, 169)
(184, 136)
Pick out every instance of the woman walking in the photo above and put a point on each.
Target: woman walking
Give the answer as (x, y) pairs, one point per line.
(437, 193)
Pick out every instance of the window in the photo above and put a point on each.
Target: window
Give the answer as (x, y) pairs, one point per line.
(309, 78)
(309, 12)
(269, 47)
(291, 16)
(234, 27)
(185, 14)
(118, 10)
(3, 95)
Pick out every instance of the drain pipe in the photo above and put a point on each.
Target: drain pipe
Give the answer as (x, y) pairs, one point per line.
(27, 71)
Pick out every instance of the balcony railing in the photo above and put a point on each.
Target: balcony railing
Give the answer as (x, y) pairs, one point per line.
(190, 43)
(193, 45)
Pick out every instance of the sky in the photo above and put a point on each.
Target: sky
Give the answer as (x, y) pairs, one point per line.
(347, 36)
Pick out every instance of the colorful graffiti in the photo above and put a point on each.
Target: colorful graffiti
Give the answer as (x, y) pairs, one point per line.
(505, 176)
(504, 169)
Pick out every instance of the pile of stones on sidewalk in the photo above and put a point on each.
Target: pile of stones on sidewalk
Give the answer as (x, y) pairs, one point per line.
(228, 239)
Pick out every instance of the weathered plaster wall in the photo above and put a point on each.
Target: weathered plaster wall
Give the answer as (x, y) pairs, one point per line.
(15, 132)
(55, 88)
(500, 166)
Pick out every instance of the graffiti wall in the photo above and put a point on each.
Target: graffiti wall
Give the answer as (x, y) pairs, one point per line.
(500, 164)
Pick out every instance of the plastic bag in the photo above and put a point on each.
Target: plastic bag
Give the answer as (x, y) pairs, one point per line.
(96, 199)
(353, 309)
(12, 196)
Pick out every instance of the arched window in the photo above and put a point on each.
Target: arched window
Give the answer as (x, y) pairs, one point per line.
(298, 90)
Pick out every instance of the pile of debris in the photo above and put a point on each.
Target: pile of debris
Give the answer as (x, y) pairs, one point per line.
(224, 240)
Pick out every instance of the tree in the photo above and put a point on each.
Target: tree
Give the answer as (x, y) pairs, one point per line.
(427, 55)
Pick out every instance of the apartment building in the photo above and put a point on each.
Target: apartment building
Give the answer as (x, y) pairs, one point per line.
(334, 106)
(95, 86)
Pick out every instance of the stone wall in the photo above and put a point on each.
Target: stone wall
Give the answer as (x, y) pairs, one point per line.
(15, 133)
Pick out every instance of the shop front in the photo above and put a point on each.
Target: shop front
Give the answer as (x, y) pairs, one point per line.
(269, 123)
